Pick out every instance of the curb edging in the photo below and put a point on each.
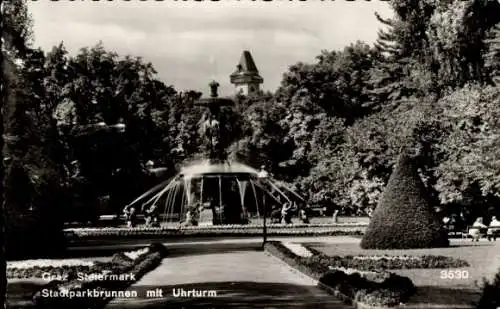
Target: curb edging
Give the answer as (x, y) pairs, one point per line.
(342, 297)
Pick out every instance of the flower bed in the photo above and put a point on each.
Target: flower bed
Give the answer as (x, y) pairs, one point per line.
(382, 289)
(377, 262)
(229, 230)
(41, 269)
(48, 263)
(280, 225)
(48, 271)
(126, 268)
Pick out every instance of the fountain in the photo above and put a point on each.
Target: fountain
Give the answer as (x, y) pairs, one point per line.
(215, 191)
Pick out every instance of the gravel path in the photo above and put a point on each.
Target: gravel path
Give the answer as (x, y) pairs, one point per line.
(241, 279)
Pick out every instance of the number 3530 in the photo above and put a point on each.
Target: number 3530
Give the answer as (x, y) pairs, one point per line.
(454, 274)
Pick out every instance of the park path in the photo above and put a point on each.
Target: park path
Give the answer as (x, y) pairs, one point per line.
(242, 278)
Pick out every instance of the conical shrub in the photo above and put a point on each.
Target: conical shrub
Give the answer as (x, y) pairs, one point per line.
(404, 217)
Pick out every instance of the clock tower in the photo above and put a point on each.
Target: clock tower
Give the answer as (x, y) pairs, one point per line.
(246, 78)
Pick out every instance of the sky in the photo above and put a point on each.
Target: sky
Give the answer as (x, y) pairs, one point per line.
(191, 43)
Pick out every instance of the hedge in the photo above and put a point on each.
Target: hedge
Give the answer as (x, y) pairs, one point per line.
(141, 233)
(404, 218)
(367, 262)
(76, 235)
(121, 265)
(372, 289)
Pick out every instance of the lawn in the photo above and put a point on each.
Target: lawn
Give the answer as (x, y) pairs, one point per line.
(434, 291)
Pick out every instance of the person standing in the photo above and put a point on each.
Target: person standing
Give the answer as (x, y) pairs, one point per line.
(446, 223)
(335, 216)
(303, 216)
(275, 215)
(131, 216)
(151, 215)
(286, 212)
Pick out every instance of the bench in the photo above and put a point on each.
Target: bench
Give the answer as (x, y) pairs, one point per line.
(483, 232)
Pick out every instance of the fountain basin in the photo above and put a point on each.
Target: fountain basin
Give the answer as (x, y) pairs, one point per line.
(216, 194)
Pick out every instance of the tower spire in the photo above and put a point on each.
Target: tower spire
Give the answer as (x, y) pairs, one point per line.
(246, 77)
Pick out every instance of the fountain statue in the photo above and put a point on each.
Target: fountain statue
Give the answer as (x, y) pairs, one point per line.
(215, 191)
(216, 148)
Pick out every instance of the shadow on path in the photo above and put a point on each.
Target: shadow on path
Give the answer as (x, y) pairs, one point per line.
(244, 294)
(174, 249)
(20, 293)
(203, 249)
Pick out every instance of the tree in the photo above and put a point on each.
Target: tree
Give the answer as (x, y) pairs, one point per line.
(457, 33)
(429, 49)
(262, 134)
(31, 180)
(403, 45)
(16, 34)
(313, 98)
(468, 173)
(3, 220)
(103, 86)
(31, 176)
(493, 54)
(109, 88)
(404, 217)
(443, 40)
(182, 124)
(338, 83)
(17, 29)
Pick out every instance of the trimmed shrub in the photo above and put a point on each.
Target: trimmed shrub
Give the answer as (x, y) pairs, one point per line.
(404, 217)
(121, 259)
(76, 235)
(490, 297)
(390, 292)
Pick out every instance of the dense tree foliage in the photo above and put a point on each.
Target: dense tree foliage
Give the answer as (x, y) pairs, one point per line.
(332, 130)
(468, 173)
(338, 84)
(492, 57)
